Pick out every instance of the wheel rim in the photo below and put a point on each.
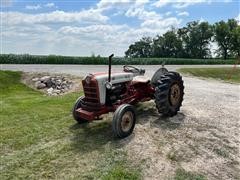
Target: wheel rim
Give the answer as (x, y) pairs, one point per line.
(175, 94)
(127, 121)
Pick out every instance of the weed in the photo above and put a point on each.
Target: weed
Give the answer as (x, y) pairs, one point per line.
(221, 152)
(181, 174)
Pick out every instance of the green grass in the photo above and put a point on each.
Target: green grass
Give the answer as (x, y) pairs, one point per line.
(181, 174)
(225, 74)
(54, 59)
(39, 138)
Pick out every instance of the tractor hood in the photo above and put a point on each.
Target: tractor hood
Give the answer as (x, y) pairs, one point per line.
(115, 77)
(102, 79)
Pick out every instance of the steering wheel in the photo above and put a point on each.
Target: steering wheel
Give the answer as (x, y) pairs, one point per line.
(132, 69)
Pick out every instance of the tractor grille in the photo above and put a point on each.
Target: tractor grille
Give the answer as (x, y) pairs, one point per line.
(91, 101)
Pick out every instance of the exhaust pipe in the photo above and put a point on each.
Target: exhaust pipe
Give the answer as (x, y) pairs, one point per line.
(110, 67)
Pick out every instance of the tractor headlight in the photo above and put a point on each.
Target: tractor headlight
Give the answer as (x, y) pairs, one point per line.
(108, 85)
(88, 79)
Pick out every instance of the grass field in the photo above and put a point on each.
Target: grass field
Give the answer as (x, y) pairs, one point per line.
(225, 74)
(40, 140)
(54, 59)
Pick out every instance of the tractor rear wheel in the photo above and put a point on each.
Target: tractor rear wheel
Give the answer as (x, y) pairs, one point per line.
(74, 113)
(124, 120)
(169, 93)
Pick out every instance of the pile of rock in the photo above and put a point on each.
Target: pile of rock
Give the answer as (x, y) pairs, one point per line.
(54, 85)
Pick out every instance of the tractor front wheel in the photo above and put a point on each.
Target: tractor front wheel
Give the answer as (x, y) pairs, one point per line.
(74, 113)
(124, 120)
(169, 93)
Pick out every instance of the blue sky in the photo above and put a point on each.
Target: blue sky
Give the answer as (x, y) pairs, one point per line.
(80, 28)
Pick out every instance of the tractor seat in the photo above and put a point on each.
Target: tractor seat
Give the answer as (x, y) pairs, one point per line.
(140, 79)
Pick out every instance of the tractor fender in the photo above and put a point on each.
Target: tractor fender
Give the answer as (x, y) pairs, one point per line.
(157, 75)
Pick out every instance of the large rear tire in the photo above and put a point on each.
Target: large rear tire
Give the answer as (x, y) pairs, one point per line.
(124, 120)
(74, 113)
(169, 93)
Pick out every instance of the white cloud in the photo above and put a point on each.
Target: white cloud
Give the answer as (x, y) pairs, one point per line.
(182, 3)
(152, 22)
(108, 4)
(184, 13)
(142, 14)
(186, 3)
(202, 20)
(38, 6)
(118, 13)
(87, 16)
(82, 32)
(162, 23)
(168, 13)
(149, 18)
(33, 7)
(68, 40)
(108, 29)
(28, 31)
(161, 3)
(49, 5)
(238, 19)
(141, 2)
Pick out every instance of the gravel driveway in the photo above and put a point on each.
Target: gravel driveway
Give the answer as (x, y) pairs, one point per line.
(82, 70)
(203, 138)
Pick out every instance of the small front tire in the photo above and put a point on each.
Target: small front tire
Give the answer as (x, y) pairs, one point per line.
(74, 113)
(124, 120)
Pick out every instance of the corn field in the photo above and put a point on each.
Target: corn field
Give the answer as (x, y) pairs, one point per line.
(54, 59)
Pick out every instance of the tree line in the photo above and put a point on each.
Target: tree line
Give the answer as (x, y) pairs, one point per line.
(192, 41)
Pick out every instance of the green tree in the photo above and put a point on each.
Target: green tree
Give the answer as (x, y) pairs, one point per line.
(235, 41)
(184, 37)
(158, 43)
(191, 41)
(226, 36)
(141, 48)
(196, 38)
(205, 34)
(168, 45)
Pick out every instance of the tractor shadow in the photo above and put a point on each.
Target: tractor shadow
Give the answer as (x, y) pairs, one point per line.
(147, 113)
(91, 136)
(95, 136)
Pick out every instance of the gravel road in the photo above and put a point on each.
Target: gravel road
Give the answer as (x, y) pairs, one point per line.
(203, 138)
(82, 70)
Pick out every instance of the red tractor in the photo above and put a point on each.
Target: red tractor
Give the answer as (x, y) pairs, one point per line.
(118, 92)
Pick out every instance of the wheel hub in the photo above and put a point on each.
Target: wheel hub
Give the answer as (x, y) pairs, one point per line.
(175, 94)
(127, 121)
